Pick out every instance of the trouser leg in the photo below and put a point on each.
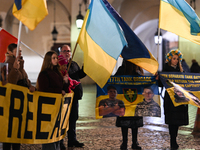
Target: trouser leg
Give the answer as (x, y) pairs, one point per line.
(134, 135)
(124, 134)
(16, 146)
(6, 146)
(71, 133)
(173, 132)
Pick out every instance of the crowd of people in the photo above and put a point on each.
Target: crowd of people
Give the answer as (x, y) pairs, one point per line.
(59, 74)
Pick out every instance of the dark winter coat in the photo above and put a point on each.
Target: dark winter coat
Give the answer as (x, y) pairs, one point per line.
(174, 115)
(76, 73)
(195, 68)
(51, 81)
(130, 122)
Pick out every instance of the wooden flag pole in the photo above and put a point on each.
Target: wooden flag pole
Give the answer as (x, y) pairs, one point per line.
(72, 57)
(19, 36)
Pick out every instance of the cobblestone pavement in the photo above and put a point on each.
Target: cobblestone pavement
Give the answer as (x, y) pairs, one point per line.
(102, 134)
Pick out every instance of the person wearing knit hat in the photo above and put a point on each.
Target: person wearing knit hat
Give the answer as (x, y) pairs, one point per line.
(63, 67)
(173, 59)
(174, 116)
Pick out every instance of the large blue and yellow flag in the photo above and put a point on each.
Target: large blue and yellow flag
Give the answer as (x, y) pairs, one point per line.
(102, 40)
(178, 17)
(30, 12)
(136, 52)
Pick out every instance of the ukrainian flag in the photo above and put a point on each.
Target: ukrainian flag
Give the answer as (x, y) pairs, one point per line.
(178, 17)
(136, 52)
(30, 12)
(102, 40)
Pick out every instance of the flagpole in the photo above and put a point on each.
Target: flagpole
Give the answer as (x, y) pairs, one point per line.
(72, 57)
(31, 49)
(158, 45)
(19, 36)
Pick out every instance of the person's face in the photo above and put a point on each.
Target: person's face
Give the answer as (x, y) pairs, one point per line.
(148, 95)
(174, 60)
(112, 93)
(63, 67)
(66, 52)
(14, 52)
(179, 93)
(54, 59)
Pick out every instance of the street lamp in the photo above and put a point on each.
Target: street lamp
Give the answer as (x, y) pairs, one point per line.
(156, 40)
(79, 18)
(54, 32)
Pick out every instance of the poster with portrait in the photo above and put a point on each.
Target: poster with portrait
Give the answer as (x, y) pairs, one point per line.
(183, 88)
(128, 96)
(3, 71)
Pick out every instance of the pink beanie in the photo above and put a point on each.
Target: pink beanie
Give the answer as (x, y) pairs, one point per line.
(62, 60)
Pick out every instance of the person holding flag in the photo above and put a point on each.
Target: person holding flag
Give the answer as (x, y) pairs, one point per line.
(75, 73)
(16, 75)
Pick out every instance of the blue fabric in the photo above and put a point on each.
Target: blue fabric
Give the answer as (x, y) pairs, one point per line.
(101, 25)
(135, 48)
(18, 4)
(189, 14)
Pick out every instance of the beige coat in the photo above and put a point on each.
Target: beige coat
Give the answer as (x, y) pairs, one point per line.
(14, 75)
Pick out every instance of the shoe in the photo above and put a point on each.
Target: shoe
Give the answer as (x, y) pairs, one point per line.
(75, 144)
(62, 146)
(175, 147)
(136, 146)
(123, 146)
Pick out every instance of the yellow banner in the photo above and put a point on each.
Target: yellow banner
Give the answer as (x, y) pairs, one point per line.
(32, 118)
(128, 96)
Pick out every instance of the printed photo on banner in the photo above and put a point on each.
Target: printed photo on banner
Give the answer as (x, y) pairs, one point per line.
(183, 88)
(128, 96)
(3, 71)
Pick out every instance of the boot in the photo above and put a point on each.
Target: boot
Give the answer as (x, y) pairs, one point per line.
(135, 144)
(173, 143)
(173, 131)
(123, 146)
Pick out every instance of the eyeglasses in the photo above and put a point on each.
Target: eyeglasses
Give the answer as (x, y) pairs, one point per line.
(66, 51)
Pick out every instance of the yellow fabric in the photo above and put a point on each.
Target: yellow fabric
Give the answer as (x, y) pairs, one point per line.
(130, 107)
(186, 94)
(31, 13)
(98, 65)
(172, 20)
(27, 106)
(151, 65)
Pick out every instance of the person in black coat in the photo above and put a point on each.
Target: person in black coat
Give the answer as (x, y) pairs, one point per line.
(195, 68)
(134, 123)
(174, 116)
(75, 73)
